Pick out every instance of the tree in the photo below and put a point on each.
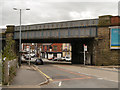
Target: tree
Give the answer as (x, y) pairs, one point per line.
(8, 51)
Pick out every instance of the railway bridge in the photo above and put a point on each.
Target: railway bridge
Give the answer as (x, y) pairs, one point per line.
(91, 32)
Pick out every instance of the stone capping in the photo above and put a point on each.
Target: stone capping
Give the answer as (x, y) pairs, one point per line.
(114, 27)
(10, 29)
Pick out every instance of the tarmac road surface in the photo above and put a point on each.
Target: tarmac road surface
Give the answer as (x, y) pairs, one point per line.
(63, 78)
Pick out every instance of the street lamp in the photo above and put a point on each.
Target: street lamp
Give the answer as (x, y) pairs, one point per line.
(20, 26)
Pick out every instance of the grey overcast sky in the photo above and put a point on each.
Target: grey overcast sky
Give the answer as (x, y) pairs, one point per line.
(44, 11)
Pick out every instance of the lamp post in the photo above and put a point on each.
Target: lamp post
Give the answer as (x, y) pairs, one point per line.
(20, 26)
(20, 10)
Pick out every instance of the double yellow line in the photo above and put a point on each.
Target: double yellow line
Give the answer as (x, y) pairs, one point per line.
(50, 79)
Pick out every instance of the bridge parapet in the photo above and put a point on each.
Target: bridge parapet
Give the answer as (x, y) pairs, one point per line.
(78, 32)
(67, 29)
(56, 25)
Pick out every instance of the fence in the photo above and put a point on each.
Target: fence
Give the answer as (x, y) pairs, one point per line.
(9, 71)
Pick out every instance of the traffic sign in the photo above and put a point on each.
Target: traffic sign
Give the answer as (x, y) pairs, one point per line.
(85, 48)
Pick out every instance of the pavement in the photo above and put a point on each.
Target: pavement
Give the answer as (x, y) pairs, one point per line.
(27, 77)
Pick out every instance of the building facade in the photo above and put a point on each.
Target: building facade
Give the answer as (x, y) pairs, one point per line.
(67, 49)
(51, 50)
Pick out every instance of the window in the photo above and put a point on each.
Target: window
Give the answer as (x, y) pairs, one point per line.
(55, 48)
(47, 47)
(43, 48)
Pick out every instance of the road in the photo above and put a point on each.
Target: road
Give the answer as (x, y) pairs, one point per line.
(64, 78)
(66, 75)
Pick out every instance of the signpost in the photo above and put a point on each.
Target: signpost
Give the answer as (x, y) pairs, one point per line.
(85, 49)
(28, 48)
(114, 37)
(40, 51)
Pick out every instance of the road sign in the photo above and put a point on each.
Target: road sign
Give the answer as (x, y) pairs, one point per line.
(28, 48)
(85, 48)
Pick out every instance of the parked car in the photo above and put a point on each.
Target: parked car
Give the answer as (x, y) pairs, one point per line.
(32, 55)
(54, 59)
(63, 58)
(38, 62)
(60, 59)
(27, 56)
(51, 58)
(68, 59)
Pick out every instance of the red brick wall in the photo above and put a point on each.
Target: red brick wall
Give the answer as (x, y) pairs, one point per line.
(115, 20)
(59, 47)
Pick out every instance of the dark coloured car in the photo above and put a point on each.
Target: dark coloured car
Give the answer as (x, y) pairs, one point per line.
(38, 62)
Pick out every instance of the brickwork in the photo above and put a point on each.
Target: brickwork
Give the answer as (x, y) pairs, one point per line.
(115, 20)
(58, 47)
(103, 54)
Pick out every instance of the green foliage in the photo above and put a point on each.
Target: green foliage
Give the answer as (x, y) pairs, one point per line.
(8, 50)
(12, 72)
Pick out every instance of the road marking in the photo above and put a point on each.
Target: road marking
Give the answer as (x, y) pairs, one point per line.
(70, 72)
(72, 79)
(113, 81)
(44, 74)
(100, 78)
(60, 83)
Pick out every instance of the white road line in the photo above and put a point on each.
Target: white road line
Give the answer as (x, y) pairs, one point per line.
(113, 81)
(60, 83)
(98, 77)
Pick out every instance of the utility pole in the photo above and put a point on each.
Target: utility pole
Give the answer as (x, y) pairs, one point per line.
(20, 10)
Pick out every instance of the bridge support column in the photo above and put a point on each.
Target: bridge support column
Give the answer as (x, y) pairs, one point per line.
(9, 36)
(77, 53)
(10, 39)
